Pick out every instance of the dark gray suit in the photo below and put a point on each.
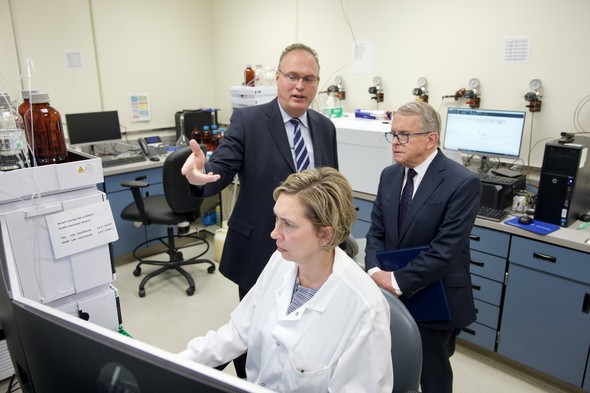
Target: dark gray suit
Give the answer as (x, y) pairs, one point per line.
(441, 215)
(256, 147)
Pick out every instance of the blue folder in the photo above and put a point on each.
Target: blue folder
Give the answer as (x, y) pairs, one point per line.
(430, 303)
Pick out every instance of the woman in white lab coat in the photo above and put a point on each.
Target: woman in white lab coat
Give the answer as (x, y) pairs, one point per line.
(314, 321)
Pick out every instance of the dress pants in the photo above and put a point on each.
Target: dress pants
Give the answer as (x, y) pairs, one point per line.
(437, 348)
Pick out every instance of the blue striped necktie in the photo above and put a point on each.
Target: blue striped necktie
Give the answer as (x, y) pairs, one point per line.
(301, 154)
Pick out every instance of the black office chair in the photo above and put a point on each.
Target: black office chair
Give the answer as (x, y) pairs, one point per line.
(406, 347)
(170, 209)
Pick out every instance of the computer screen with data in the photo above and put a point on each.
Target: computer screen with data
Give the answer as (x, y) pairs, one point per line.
(93, 127)
(484, 132)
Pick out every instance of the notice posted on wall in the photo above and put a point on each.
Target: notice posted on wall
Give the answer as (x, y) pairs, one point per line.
(76, 230)
(140, 107)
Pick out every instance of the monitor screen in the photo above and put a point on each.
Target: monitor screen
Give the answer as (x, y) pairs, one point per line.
(93, 127)
(53, 351)
(484, 132)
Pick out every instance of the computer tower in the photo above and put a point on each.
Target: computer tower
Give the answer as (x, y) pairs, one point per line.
(189, 119)
(564, 184)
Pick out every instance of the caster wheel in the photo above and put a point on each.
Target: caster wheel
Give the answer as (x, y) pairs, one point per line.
(137, 272)
(142, 293)
(190, 291)
(178, 256)
(210, 269)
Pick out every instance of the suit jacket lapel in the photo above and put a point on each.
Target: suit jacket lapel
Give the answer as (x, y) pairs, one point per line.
(393, 201)
(276, 128)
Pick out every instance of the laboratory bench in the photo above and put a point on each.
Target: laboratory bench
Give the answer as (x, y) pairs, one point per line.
(532, 297)
(531, 291)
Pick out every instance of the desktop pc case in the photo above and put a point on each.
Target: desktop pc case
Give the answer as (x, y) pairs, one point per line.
(188, 119)
(564, 184)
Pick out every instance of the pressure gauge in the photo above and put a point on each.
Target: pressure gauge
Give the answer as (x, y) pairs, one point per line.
(422, 81)
(474, 83)
(338, 79)
(377, 81)
(535, 84)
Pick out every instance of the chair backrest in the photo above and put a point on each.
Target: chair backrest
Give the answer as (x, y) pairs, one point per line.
(406, 346)
(176, 187)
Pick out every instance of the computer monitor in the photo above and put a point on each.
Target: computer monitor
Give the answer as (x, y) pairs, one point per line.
(56, 352)
(93, 127)
(484, 132)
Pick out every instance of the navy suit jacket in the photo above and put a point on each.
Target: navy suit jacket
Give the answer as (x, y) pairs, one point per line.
(256, 147)
(441, 215)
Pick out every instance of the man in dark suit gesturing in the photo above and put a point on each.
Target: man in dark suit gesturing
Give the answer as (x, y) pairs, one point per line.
(436, 209)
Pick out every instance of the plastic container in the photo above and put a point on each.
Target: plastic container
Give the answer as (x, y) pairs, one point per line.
(9, 117)
(213, 140)
(249, 76)
(270, 76)
(219, 241)
(258, 75)
(44, 130)
(13, 147)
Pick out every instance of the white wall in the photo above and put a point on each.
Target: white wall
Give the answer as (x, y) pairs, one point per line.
(187, 53)
(130, 47)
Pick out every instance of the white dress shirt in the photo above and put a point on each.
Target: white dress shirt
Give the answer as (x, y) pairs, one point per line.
(338, 341)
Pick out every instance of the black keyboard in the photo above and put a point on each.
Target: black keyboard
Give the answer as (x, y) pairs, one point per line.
(495, 179)
(122, 161)
(489, 213)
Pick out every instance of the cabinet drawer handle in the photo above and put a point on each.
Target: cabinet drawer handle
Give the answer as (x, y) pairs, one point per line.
(477, 263)
(469, 331)
(476, 287)
(586, 304)
(474, 237)
(544, 257)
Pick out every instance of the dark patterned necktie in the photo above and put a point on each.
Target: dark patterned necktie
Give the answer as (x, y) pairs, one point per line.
(301, 155)
(406, 198)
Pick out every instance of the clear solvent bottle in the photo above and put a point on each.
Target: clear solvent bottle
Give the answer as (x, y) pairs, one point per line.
(13, 147)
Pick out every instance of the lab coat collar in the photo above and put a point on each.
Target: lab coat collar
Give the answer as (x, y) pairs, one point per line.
(323, 296)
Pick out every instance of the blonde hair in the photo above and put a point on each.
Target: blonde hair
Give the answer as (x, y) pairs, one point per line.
(327, 197)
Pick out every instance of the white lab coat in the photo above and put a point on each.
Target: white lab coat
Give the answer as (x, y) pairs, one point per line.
(339, 341)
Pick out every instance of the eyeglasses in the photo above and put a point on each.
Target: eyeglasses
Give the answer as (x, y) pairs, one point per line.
(308, 80)
(403, 137)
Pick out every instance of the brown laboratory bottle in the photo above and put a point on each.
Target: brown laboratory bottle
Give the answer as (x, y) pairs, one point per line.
(26, 104)
(44, 131)
(249, 76)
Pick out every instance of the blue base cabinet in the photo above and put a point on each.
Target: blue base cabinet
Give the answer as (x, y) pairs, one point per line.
(489, 253)
(546, 316)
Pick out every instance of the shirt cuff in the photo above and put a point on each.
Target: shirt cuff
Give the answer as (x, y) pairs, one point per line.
(394, 283)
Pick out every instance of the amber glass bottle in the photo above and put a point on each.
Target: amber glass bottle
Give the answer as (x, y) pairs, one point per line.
(26, 104)
(45, 135)
(249, 76)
